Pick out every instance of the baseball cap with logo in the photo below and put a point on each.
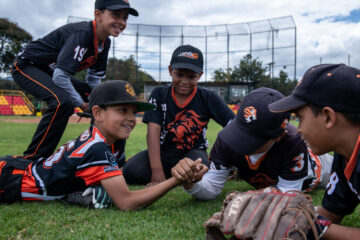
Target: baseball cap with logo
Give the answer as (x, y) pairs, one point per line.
(115, 5)
(116, 92)
(333, 85)
(187, 57)
(254, 124)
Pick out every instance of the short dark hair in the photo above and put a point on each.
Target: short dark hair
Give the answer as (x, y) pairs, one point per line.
(353, 118)
(92, 116)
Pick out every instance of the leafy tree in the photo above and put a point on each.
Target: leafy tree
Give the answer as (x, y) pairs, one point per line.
(282, 83)
(12, 39)
(128, 70)
(249, 70)
(123, 69)
(252, 71)
(220, 75)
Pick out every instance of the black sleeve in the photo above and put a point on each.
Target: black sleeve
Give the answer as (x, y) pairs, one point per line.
(219, 110)
(155, 115)
(295, 155)
(338, 197)
(220, 154)
(72, 52)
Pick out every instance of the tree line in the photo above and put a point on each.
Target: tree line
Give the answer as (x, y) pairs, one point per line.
(251, 70)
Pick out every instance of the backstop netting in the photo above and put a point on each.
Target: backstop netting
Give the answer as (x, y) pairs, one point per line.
(272, 41)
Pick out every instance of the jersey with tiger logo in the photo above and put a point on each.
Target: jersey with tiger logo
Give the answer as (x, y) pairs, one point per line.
(184, 126)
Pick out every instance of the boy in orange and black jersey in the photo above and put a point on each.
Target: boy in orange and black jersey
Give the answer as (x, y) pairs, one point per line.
(326, 102)
(89, 162)
(45, 69)
(177, 127)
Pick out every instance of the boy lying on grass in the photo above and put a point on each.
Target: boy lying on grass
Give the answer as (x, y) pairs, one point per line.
(88, 162)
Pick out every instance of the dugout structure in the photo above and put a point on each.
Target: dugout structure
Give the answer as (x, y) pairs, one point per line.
(232, 92)
(272, 41)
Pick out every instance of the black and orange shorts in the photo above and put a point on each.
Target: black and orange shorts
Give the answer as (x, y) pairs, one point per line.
(11, 174)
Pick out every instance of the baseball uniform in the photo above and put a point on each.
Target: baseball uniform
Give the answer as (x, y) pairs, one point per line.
(183, 129)
(287, 164)
(44, 68)
(82, 162)
(342, 194)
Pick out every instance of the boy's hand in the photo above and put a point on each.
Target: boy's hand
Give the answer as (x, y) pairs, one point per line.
(189, 171)
(84, 106)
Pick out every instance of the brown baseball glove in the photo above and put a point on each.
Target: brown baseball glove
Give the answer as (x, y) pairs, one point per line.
(264, 214)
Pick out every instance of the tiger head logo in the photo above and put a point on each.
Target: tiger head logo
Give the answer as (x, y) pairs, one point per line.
(187, 128)
(130, 90)
(250, 114)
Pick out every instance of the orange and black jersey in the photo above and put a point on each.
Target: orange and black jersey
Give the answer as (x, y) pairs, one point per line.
(287, 159)
(342, 193)
(184, 126)
(71, 48)
(74, 166)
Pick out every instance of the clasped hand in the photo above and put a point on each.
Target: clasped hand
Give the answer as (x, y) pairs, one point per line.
(189, 171)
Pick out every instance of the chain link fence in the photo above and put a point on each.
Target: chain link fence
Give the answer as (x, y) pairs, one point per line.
(272, 41)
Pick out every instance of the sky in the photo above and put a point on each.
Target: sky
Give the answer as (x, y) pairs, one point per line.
(328, 31)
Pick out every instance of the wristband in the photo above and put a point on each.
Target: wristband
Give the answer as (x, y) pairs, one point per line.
(322, 224)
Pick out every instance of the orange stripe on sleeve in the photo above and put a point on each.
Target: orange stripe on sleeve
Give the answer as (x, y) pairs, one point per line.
(93, 175)
(16, 171)
(2, 164)
(352, 162)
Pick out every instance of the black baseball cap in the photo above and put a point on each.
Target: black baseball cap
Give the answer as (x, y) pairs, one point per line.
(115, 5)
(254, 124)
(187, 57)
(116, 92)
(333, 85)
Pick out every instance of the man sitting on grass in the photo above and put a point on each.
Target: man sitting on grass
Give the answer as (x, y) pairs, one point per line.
(88, 161)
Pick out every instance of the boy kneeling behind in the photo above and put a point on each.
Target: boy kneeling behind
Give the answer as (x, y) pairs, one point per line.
(88, 161)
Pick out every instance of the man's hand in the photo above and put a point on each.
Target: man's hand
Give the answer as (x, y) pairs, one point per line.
(189, 171)
(84, 106)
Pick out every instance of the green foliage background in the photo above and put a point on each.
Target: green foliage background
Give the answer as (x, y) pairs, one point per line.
(251, 70)
(12, 39)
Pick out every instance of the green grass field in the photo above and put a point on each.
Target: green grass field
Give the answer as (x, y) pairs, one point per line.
(175, 216)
